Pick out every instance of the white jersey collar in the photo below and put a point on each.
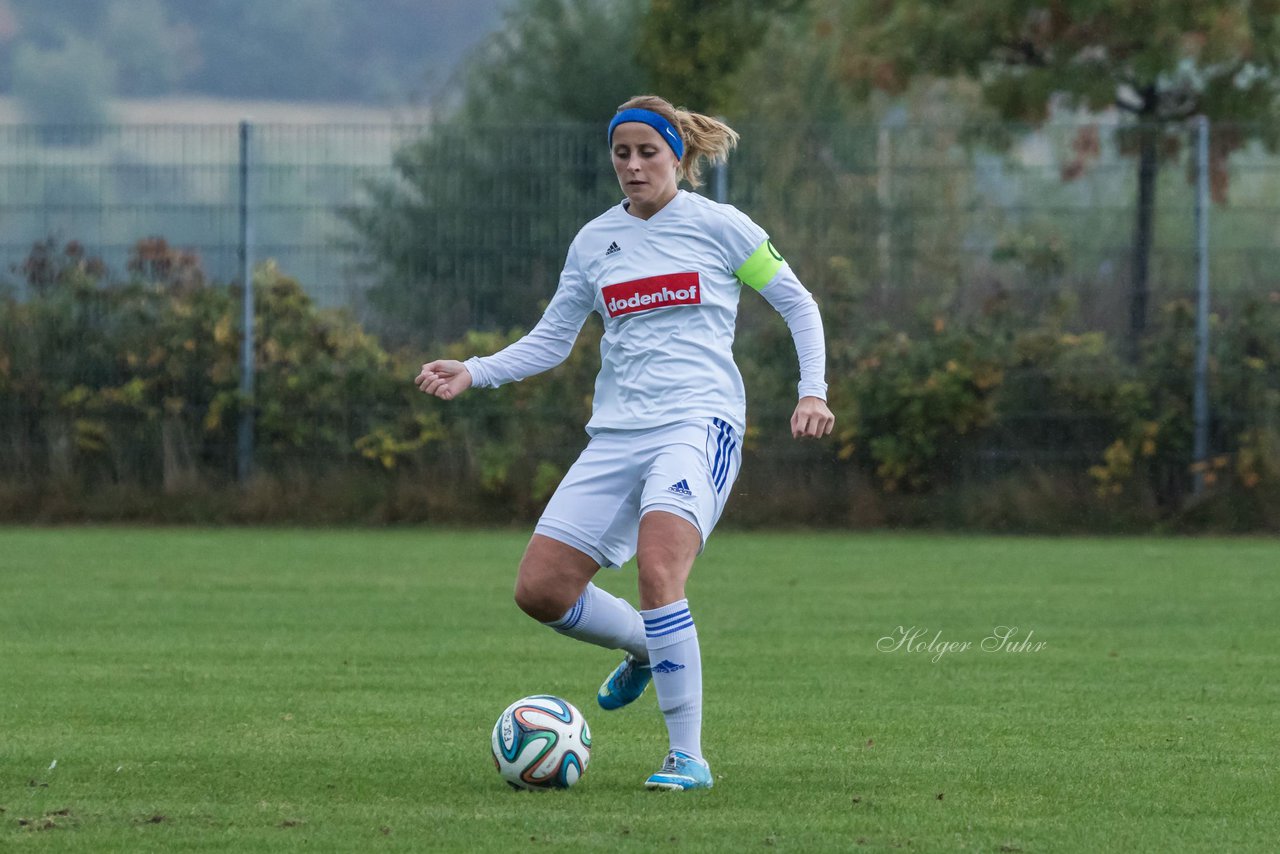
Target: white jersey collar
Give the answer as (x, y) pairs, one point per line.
(677, 200)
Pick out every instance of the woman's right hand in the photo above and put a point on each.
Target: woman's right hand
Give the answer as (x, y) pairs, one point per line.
(444, 378)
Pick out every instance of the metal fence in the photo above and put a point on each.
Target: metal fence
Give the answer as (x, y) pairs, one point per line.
(912, 209)
(109, 187)
(880, 220)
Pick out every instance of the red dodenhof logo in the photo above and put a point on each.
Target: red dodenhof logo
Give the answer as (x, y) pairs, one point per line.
(650, 293)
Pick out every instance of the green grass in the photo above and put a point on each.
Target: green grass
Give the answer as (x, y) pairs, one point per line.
(268, 690)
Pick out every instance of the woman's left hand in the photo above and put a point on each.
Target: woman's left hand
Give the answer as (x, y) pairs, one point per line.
(812, 418)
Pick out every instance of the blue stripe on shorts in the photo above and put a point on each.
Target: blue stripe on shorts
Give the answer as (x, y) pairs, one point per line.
(725, 445)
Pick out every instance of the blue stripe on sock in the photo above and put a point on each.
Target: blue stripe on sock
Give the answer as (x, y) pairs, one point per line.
(659, 631)
(669, 630)
(652, 617)
(573, 617)
(659, 622)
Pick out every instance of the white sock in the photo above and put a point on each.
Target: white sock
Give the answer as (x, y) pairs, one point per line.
(677, 673)
(603, 619)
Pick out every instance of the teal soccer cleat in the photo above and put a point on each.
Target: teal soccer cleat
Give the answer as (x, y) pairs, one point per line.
(680, 773)
(625, 684)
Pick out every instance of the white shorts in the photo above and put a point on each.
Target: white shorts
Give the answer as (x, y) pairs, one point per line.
(686, 468)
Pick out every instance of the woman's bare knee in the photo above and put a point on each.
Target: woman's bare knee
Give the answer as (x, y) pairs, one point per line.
(551, 577)
(544, 605)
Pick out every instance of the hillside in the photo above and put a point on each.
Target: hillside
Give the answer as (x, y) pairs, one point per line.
(197, 109)
(82, 52)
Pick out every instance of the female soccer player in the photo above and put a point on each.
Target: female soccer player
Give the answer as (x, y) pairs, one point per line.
(663, 269)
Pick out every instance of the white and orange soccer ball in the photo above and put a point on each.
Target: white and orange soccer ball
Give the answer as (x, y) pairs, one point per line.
(541, 742)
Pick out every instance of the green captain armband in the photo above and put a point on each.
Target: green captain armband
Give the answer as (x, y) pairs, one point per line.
(759, 270)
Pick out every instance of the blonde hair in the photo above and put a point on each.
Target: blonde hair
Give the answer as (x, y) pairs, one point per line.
(704, 138)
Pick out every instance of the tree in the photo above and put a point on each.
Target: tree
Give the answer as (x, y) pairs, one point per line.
(1159, 63)
(818, 165)
(554, 61)
(692, 48)
(473, 234)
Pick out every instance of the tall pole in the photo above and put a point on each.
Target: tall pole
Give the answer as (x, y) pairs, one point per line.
(720, 182)
(244, 448)
(720, 179)
(884, 199)
(1200, 402)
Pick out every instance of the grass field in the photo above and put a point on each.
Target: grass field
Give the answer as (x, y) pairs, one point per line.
(282, 690)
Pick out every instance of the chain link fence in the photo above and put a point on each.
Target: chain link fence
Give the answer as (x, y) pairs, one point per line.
(108, 187)
(911, 209)
(888, 224)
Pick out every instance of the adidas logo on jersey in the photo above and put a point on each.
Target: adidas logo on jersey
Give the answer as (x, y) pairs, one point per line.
(653, 292)
(613, 249)
(681, 488)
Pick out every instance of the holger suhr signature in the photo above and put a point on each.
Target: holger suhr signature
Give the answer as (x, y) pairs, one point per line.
(917, 639)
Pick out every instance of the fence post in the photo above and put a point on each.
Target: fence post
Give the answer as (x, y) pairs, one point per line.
(720, 182)
(244, 449)
(884, 199)
(1200, 402)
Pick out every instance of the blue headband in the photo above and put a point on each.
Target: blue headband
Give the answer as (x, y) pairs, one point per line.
(653, 120)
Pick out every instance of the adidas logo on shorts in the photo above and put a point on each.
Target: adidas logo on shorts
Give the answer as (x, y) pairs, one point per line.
(681, 488)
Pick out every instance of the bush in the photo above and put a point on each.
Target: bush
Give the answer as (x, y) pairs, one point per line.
(920, 401)
(121, 400)
(139, 381)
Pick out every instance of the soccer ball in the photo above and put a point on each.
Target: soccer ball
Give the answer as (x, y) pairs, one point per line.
(541, 742)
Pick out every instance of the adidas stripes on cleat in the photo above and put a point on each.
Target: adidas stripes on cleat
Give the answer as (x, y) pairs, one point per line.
(625, 684)
(681, 772)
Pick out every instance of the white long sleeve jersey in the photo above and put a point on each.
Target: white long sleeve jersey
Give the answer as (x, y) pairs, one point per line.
(667, 290)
